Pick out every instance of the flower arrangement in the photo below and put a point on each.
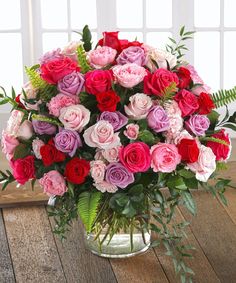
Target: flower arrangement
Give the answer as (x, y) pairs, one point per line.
(104, 130)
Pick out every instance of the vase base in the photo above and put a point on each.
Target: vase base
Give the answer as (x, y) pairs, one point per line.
(119, 246)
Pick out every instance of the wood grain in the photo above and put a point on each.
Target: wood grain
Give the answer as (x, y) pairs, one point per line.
(139, 269)
(231, 207)
(6, 269)
(79, 264)
(204, 272)
(33, 250)
(216, 234)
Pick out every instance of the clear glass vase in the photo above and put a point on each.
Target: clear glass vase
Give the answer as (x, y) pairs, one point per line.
(121, 245)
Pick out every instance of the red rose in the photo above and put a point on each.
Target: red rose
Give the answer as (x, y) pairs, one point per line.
(107, 101)
(125, 43)
(17, 100)
(98, 81)
(189, 150)
(23, 169)
(157, 82)
(221, 151)
(55, 70)
(77, 170)
(50, 154)
(135, 157)
(206, 103)
(187, 101)
(184, 77)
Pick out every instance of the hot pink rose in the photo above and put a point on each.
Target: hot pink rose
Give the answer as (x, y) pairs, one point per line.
(165, 157)
(74, 117)
(132, 131)
(23, 169)
(139, 106)
(105, 187)
(187, 101)
(157, 82)
(101, 56)
(8, 143)
(205, 165)
(129, 75)
(111, 154)
(53, 183)
(135, 157)
(101, 135)
(98, 81)
(97, 170)
(59, 101)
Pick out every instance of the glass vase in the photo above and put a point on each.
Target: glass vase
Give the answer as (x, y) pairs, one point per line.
(121, 245)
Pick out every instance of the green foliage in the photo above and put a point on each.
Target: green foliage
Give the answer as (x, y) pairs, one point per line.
(86, 38)
(87, 208)
(224, 97)
(212, 139)
(82, 60)
(21, 151)
(147, 137)
(169, 92)
(53, 121)
(6, 178)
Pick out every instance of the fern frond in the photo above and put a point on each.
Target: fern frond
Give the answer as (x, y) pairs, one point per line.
(82, 60)
(45, 90)
(169, 91)
(224, 97)
(87, 208)
(46, 119)
(212, 139)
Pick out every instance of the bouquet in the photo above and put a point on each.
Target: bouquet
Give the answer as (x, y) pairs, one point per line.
(104, 130)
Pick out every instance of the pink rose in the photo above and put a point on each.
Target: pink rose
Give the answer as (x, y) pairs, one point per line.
(139, 106)
(165, 157)
(59, 101)
(74, 117)
(205, 165)
(97, 170)
(25, 131)
(132, 131)
(53, 183)
(129, 75)
(23, 169)
(105, 187)
(187, 101)
(14, 122)
(70, 50)
(8, 143)
(176, 121)
(101, 56)
(111, 154)
(101, 135)
(36, 145)
(135, 157)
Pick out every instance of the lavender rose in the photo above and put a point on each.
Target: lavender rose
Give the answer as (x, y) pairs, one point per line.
(158, 120)
(116, 119)
(51, 55)
(118, 175)
(43, 128)
(67, 141)
(197, 124)
(71, 84)
(132, 54)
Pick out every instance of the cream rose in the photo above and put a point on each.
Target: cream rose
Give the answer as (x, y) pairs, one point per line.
(97, 170)
(101, 135)
(139, 106)
(74, 117)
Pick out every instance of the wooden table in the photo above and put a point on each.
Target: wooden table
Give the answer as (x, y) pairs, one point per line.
(29, 252)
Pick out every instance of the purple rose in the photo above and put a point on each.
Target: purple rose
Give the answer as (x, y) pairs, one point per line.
(44, 128)
(197, 124)
(157, 119)
(118, 175)
(67, 141)
(132, 54)
(117, 119)
(51, 55)
(71, 84)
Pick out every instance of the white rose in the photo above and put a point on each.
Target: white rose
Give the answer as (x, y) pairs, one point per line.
(74, 117)
(205, 165)
(139, 106)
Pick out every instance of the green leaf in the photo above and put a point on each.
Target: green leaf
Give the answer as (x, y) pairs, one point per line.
(86, 38)
(4, 101)
(222, 198)
(189, 202)
(82, 59)
(21, 151)
(87, 208)
(229, 126)
(147, 137)
(224, 97)
(13, 93)
(186, 173)
(181, 32)
(176, 182)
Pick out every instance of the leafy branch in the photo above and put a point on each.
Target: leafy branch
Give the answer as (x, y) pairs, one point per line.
(6, 179)
(224, 97)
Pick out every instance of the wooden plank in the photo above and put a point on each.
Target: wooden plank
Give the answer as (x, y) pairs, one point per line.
(231, 207)
(79, 264)
(33, 250)
(139, 269)
(203, 270)
(216, 234)
(6, 269)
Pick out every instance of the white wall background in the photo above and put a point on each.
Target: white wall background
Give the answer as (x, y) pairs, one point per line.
(30, 27)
